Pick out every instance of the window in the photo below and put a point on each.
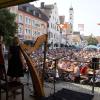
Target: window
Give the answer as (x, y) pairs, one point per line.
(40, 15)
(48, 35)
(20, 19)
(57, 28)
(53, 17)
(20, 29)
(51, 25)
(54, 36)
(33, 12)
(49, 16)
(28, 31)
(37, 23)
(33, 23)
(42, 26)
(28, 20)
(51, 35)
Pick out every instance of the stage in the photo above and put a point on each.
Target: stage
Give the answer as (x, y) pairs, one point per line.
(66, 94)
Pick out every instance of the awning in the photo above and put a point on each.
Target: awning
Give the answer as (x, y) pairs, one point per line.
(8, 3)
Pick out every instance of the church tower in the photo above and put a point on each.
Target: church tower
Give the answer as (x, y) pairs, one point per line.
(71, 18)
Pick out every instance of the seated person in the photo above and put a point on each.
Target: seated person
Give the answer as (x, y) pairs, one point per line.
(84, 73)
(75, 72)
(84, 69)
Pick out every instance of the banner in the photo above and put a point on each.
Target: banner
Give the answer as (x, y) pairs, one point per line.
(63, 26)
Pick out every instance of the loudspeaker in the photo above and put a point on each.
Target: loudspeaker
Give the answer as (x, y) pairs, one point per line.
(95, 63)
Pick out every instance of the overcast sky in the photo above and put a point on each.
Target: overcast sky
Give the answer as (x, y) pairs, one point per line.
(86, 12)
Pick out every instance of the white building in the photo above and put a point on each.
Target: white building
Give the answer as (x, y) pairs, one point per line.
(53, 29)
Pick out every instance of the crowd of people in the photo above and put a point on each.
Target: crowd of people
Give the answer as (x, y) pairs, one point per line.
(71, 65)
(61, 63)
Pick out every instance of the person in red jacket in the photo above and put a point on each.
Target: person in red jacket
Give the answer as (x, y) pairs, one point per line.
(84, 73)
(84, 69)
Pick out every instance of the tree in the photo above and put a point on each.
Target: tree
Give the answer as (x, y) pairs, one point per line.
(8, 25)
(92, 40)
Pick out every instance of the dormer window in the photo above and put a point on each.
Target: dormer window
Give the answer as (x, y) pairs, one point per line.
(33, 12)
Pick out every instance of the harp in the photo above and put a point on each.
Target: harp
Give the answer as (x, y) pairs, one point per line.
(26, 50)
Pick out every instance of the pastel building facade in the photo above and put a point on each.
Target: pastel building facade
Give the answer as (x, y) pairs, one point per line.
(31, 22)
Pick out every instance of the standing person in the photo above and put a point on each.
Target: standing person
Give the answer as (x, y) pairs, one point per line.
(15, 64)
(1, 55)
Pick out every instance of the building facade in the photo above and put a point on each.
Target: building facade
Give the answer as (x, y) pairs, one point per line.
(53, 29)
(31, 22)
(63, 31)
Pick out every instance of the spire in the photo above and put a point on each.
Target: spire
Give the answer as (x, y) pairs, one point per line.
(71, 15)
(71, 8)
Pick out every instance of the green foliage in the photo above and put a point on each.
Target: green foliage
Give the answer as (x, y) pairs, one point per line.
(92, 40)
(8, 25)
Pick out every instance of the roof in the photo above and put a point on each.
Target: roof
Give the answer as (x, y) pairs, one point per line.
(46, 9)
(28, 8)
(8, 3)
(49, 6)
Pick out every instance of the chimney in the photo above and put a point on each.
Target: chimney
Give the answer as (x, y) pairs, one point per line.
(42, 5)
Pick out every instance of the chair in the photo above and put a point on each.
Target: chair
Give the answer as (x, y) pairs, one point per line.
(6, 86)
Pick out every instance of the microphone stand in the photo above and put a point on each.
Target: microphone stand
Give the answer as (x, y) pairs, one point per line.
(55, 68)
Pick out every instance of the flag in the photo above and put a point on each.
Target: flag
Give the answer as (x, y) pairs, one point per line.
(81, 27)
(63, 26)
